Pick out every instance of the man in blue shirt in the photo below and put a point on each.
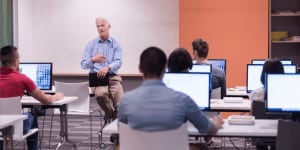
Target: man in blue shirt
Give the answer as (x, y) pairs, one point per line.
(155, 107)
(103, 55)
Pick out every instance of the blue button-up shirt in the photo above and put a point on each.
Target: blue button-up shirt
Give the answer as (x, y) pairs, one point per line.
(109, 48)
(155, 107)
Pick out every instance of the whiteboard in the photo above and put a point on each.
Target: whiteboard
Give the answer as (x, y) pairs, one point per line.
(58, 30)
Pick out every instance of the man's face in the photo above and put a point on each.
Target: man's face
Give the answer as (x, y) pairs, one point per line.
(103, 28)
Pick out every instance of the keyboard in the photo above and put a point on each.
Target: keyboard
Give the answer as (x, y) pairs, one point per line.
(241, 120)
(233, 99)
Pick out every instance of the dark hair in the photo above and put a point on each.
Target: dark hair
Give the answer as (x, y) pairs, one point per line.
(179, 60)
(271, 66)
(201, 47)
(8, 55)
(153, 62)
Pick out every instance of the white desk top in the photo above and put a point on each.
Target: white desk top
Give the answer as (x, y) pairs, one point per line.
(28, 100)
(7, 120)
(218, 104)
(54, 90)
(261, 128)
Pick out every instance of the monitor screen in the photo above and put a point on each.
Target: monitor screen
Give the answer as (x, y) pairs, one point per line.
(290, 68)
(195, 85)
(39, 72)
(221, 63)
(254, 73)
(283, 92)
(205, 68)
(262, 61)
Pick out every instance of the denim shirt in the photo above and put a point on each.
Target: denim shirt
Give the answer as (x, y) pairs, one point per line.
(109, 48)
(155, 107)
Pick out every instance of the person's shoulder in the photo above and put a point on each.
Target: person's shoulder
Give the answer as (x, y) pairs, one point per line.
(218, 70)
(114, 41)
(130, 94)
(257, 94)
(95, 40)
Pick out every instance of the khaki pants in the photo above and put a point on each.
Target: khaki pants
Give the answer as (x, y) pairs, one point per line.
(108, 97)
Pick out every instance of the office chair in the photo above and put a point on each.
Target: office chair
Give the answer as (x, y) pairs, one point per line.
(15, 108)
(131, 139)
(79, 107)
(288, 134)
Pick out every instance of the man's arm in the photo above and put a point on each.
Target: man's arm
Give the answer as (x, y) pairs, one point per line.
(217, 123)
(86, 61)
(116, 63)
(45, 98)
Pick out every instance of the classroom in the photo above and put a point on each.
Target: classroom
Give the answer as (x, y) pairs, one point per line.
(56, 33)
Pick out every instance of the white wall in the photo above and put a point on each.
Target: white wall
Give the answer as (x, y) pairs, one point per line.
(58, 30)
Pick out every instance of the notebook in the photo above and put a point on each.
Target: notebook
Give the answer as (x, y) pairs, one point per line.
(94, 81)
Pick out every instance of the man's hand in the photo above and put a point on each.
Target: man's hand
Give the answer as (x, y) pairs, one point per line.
(98, 58)
(102, 72)
(218, 122)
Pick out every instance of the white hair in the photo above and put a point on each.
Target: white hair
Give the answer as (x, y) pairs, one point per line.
(102, 18)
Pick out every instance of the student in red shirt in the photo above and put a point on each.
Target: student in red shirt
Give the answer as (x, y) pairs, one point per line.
(13, 84)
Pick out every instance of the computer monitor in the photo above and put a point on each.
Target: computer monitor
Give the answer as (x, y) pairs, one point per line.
(195, 85)
(254, 73)
(282, 92)
(205, 68)
(290, 68)
(220, 63)
(262, 61)
(39, 72)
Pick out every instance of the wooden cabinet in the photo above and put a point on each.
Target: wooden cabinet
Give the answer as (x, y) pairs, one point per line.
(285, 17)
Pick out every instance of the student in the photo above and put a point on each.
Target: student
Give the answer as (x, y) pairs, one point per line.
(180, 61)
(103, 55)
(144, 108)
(13, 83)
(200, 50)
(271, 66)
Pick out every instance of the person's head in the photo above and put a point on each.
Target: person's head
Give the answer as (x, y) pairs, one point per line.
(180, 61)
(153, 63)
(9, 56)
(200, 48)
(103, 27)
(271, 66)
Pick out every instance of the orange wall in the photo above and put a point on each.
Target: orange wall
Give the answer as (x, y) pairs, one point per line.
(236, 30)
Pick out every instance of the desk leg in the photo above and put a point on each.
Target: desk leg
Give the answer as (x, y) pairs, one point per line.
(64, 136)
(8, 138)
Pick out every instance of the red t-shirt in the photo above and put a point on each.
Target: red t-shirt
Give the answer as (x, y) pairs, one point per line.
(12, 83)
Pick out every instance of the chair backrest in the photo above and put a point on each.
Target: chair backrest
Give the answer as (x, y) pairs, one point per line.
(258, 110)
(288, 134)
(13, 106)
(79, 89)
(131, 139)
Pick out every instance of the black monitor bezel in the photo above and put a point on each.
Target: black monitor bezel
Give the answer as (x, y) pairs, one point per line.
(51, 73)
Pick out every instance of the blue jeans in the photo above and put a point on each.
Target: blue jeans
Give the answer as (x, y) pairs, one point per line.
(32, 141)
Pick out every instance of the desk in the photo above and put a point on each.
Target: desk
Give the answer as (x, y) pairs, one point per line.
(53, 90)
(7, 129)
(261, 128)
(219, 105)
(62, 105)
